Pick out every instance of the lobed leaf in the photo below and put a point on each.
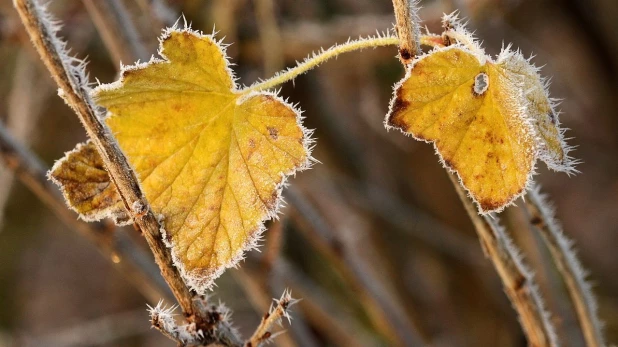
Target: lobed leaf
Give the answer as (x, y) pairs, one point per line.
(211, 159)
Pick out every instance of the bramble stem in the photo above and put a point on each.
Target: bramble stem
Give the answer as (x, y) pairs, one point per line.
(561, 249)
(406, 14)
(517, 279)
(73, 87)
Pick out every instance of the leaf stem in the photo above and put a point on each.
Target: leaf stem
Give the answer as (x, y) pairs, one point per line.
(572, 271)
(325, 55)
(319, 58)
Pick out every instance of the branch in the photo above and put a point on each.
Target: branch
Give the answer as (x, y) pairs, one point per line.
(70, 76)
(275, 314)
(518, 280)
(406, 14)
(571, 269)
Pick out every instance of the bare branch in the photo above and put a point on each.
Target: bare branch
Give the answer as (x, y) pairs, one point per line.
(518, 280)
(571, 269)
(406, 14)
(275, 315)
(70, 76)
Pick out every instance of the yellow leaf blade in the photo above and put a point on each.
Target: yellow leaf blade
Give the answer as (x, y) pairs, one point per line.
(210, 159)
(483, 137)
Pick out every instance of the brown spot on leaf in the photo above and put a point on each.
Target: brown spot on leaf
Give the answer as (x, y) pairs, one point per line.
(251, 143)
(274, 134)
(399, 106)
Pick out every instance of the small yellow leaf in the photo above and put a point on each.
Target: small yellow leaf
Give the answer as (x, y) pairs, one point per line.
(211, 159)
(481, 120)
(86, 186)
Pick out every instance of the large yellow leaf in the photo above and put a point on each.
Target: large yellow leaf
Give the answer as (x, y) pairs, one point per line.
(211, 159)
(474, 111)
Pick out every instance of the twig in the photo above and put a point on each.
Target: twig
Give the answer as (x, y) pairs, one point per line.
(72, 81)
(406, 14)
(115, 246)
(571, 269)
(259, 298)
(389, 319)
(117, 30)
(274, 316)
(517, 278)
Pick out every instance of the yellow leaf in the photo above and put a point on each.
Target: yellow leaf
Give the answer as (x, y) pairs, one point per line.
(86, 186)
(480, 119)
(211, 159)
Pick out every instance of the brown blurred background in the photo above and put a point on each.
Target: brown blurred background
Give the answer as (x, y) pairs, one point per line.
(380, 200)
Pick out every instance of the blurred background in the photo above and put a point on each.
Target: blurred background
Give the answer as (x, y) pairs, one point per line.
(374, 237)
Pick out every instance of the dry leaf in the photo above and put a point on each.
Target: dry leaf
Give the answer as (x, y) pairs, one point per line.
(211, 158)
(86, 186)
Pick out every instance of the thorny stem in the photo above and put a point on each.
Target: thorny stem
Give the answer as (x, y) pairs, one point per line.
(561, 249)
(116, 247)
(275, 314)
(73, 86)
(517, 279)
(407, 29)
(333, 52)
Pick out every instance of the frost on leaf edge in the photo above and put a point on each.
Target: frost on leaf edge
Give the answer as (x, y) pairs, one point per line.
(195, 279)
(521, 114)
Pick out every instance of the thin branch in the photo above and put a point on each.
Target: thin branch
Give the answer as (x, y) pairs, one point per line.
(117, 30)
(72, 80)
(114, 246)
(571, 269)
(259, 298)
(518, 280)
(275, 314)
(406, 15)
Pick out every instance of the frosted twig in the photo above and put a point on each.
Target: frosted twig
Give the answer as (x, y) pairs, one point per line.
(69, 73)
(277, 312)
(571, 269)
(517, 279)
(408, 29)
